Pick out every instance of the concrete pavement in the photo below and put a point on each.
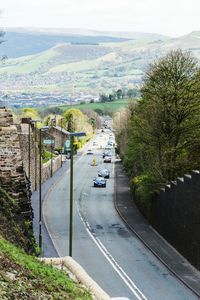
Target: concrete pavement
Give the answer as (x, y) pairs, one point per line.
(48, 249)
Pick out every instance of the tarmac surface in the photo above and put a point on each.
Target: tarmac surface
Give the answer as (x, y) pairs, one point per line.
(128, 211)
(157, 244)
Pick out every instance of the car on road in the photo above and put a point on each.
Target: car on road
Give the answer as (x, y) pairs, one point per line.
(99, 182)
(106, 153)
(104, 173)
(89, 151)
(107, 159)
(107, 147)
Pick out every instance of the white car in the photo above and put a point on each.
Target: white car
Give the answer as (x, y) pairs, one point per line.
(89, 151)
(104, 173)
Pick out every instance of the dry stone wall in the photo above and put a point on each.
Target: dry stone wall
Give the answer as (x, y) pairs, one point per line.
(12, 176)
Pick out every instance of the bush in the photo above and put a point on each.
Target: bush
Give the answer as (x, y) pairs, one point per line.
(46, 156)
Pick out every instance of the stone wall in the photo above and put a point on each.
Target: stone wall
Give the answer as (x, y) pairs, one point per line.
(46, 169)
(34, 154)
(176, 215)
(34, 162)
(12, 175)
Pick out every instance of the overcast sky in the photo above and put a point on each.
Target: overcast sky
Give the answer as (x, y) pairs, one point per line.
(169, 17)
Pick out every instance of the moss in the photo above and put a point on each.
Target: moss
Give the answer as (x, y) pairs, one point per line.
(13, 226)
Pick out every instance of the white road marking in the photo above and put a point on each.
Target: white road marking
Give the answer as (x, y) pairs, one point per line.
(127, 280)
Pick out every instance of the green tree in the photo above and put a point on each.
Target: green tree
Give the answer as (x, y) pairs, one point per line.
(132, 93)
(76, 121)
(30, 113)
(111, 97)
(103, 98)
(164, 126)
(119, 94)
(170, 110)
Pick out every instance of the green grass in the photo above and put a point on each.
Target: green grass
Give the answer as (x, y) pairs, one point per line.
(34, 279)
(111, 107)
(28, 64)
(47, 156)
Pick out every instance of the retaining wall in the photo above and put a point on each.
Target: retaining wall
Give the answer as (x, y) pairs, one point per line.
(176, 215)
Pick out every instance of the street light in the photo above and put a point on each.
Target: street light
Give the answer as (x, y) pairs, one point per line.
(35, 129)
(61, 123)
(53, 121)
(40, 184)
(72, 135)
(29, 149)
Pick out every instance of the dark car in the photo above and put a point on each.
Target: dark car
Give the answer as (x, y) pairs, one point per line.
(99, 182)
(107, 159)
(104, 173)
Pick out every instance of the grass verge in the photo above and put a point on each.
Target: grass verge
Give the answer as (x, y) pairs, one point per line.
(22, 276)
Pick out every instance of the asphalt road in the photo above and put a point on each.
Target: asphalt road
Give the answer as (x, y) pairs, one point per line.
(102, 244)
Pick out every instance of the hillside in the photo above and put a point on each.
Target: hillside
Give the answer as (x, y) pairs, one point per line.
(75, 69)
(23, 277)
(23, 42)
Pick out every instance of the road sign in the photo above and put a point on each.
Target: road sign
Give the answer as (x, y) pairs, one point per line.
(67, 144)
(77, 134)
(48, 142)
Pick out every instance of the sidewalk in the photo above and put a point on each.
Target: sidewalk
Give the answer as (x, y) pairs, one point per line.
(170, 257)
(48, 249)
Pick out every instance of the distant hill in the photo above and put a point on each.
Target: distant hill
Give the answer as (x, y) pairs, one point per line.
(88, 66)
(22, 43)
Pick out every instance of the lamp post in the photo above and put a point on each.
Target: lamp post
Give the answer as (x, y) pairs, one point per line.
(53, 121)
(72, 135)
(29, 150)
(61, 123)
(35, 137)
(40, 184)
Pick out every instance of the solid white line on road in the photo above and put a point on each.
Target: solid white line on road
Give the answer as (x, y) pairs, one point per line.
(127, 280)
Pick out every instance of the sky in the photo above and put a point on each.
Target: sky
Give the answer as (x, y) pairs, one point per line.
(168, 17)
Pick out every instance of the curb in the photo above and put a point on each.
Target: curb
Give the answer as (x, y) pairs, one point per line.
(80, 274)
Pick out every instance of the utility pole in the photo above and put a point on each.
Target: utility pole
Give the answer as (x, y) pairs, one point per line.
(72, 134)
(71, 194)
(61, 140)
(29, 150)
(40, 192)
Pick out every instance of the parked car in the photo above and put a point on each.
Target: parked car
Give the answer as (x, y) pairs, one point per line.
(104, 173)
(99, 182)
(107, 159)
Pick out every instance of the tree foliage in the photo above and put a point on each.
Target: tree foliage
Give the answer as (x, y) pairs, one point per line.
(164, 128)
(30, 113)
(75, 120)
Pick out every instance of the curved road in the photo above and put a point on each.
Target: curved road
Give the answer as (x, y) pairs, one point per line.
(102, 244)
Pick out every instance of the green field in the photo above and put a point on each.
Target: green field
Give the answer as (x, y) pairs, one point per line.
(106, 107)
